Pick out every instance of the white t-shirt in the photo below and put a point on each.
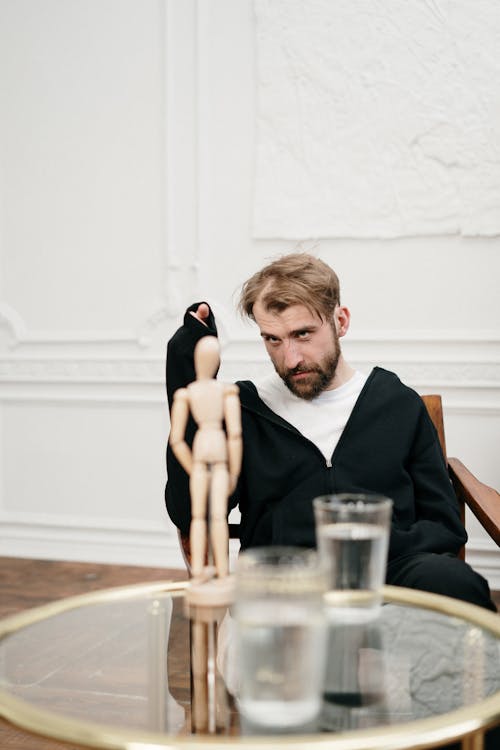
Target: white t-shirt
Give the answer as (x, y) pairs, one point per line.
(322, 419)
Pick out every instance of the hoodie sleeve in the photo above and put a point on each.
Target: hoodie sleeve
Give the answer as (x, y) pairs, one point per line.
(437, 526)
(179, 373)
(180, 364)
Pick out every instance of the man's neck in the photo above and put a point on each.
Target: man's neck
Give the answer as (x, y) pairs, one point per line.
(343, 374)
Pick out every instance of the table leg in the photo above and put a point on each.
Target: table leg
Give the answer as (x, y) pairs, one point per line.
(473, 741)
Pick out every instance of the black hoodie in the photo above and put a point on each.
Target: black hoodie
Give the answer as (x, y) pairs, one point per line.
(389, 446)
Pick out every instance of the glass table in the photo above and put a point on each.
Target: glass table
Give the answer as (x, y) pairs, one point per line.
(111, 669)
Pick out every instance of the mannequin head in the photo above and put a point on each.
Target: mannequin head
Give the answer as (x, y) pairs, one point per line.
(206, 358)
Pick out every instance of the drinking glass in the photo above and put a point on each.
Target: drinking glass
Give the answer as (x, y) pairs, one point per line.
(281, 636)
(352, 532)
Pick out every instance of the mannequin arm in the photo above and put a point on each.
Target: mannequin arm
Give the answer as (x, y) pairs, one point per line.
(178, 423)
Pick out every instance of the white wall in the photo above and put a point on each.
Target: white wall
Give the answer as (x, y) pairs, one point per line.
(129, 142)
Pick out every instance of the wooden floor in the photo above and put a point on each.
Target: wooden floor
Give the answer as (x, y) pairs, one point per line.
(29, 583)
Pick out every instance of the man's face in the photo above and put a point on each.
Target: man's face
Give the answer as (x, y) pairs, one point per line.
(304, 348)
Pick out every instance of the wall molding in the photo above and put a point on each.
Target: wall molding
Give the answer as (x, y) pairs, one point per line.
(176, 272)
(18, 336)
(455, 348)
(464, 368)
(181, 153)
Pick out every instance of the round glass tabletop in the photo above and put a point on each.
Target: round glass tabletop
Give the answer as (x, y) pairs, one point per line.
(112, 670)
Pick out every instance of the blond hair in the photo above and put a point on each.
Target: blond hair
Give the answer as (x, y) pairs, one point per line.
(294, 279)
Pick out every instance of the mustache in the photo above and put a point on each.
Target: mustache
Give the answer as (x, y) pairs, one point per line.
(303, 368)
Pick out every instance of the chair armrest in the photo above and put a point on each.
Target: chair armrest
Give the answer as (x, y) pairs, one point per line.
(483, 501)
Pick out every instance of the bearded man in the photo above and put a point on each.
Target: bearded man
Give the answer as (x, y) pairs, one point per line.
(317, 426)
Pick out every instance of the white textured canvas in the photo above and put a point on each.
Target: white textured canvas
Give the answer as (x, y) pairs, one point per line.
(377, 118)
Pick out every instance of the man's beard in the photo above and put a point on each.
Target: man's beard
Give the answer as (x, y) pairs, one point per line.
(319, 377)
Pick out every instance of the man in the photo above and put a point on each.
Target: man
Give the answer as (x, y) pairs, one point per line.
(317, 426)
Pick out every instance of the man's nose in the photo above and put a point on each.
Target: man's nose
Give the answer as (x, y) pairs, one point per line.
(292, 354)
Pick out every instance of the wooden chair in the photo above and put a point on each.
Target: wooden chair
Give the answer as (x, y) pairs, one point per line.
(483, 501)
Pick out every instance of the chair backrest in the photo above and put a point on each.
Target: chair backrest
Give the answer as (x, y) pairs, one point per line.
(434, 406)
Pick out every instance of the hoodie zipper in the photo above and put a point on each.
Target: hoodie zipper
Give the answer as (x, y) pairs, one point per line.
(277, 420)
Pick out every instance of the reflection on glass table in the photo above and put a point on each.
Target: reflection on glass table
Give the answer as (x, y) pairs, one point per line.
(114, 667)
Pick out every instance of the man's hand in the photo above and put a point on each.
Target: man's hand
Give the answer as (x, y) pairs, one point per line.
(201, 313)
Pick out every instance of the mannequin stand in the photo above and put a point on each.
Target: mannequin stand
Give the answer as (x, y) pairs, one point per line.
(206, 604)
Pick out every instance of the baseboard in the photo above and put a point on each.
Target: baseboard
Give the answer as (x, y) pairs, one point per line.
(83, 540)
(485, 559)
(140, 543)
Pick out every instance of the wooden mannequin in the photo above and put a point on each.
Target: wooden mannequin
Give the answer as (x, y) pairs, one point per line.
(214, 462)
(213, 465)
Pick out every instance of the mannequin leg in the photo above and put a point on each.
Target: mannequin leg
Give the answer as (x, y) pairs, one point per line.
(198, 487)
(219, 534)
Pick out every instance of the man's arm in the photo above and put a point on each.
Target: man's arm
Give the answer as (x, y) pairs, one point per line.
(438, 527)
(199, 321)
(179, 373)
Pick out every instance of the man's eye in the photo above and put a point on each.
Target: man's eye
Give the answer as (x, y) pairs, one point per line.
(272, 340)
(303, 334)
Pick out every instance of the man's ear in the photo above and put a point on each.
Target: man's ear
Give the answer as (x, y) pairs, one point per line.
(342, 318)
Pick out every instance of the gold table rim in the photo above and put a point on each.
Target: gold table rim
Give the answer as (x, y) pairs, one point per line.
(419, 733)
